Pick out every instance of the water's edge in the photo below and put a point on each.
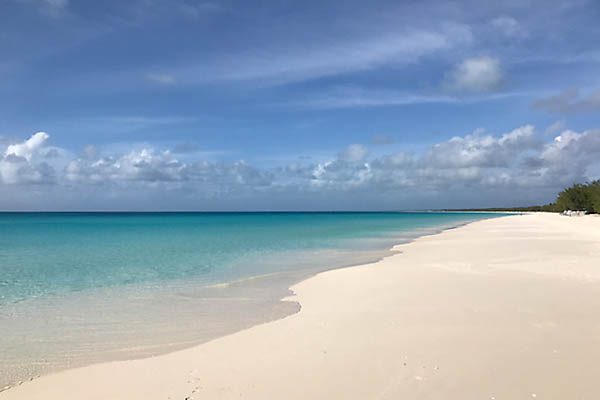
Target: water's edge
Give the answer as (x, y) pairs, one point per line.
(249, 302)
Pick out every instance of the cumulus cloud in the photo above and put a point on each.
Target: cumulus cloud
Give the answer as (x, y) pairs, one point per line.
(519, 160)
(515, 161)
(477, 74)
(477, 150)
(570, 101)
(349, 169)
(26, 161)
(147, 168)
(144, 165)
(29, 147)
(569, 156)
(464, 169)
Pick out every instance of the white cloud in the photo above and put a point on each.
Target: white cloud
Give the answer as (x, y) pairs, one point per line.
(25, 161)
(570, 156)
(477, 74)
(148, 167)
(357, 97)
(143, 165)
(27, 148)
(476, 150)
(519, 164)
(339, 174)
(328, 58)
(340, 58)
(518, 161)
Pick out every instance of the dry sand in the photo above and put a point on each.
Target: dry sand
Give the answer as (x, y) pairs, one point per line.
(507, 308)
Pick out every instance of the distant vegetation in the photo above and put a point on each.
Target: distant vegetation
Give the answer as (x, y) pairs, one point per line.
(579, 197)
(584, 197)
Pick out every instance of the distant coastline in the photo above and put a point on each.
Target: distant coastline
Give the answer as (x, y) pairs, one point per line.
(578, 197)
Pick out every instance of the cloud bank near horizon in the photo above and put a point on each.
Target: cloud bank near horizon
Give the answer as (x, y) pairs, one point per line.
(474, 170)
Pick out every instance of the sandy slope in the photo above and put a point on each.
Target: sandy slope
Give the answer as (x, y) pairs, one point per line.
(507, 308)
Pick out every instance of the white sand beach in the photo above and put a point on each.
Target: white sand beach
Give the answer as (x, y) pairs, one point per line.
(506, 308)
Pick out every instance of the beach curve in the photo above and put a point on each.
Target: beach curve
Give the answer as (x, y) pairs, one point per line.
(499, 308)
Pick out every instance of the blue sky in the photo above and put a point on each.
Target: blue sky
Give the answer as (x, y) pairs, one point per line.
(241, 105)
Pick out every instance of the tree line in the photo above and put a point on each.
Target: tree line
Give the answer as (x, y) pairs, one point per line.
(578, 197)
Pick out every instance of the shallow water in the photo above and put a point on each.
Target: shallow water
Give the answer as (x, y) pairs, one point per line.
(82, 288)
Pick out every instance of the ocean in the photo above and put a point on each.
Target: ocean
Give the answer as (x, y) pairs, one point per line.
(79, 288)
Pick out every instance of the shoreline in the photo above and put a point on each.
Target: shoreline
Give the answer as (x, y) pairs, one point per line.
(320, 317)
(274, 287)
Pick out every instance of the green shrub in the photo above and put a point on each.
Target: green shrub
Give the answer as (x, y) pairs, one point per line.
(580, 197)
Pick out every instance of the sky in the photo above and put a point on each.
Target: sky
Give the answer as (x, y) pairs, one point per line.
(296, 105)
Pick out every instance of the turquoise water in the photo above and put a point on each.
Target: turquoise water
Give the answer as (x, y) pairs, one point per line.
(79, 288)
(51, 253)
